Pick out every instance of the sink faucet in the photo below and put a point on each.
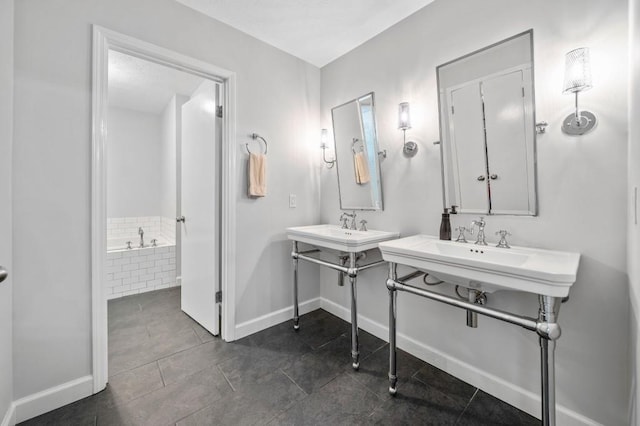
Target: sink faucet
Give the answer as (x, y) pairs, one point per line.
(344, 218)
(480, 223)
(141, 233)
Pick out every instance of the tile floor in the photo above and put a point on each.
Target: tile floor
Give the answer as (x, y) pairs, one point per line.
(165, 369)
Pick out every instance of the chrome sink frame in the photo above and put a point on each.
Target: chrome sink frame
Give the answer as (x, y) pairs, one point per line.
(352, 271)
(545, 326)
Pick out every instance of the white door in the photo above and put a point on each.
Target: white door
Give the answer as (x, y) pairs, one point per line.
(199, 206)
(504, 101)
(468, 149)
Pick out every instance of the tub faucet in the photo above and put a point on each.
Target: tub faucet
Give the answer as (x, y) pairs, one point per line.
(141, 233)
(480, 223)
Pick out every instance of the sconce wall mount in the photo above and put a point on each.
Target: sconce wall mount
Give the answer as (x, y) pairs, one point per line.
(577, 78)
(323, 144)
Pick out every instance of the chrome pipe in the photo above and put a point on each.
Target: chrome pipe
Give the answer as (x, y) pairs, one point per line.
(522, 321)
(393, 376)
(370, 265)
(309, 251)
(472, 317)
(343, 262)
(355, 353)
(549, 309)
(296, 314)
(410, 276)
(322, 262)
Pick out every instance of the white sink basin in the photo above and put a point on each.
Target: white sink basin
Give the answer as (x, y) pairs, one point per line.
(487, 268)
(336, 238)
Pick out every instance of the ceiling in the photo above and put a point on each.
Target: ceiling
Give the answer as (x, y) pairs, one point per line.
(317, 31)
(145, 86)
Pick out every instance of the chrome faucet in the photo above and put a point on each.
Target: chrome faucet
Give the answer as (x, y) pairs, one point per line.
(480, 223)
(141, 233)
(344, 218)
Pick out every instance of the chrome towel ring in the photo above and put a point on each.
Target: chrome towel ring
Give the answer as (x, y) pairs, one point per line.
(255, 136)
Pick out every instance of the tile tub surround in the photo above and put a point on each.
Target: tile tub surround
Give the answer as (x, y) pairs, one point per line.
(166, 369)
(126, 228)
(140, 270)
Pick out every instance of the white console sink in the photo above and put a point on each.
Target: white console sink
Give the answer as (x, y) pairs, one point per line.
(487, 268)
(336, 238)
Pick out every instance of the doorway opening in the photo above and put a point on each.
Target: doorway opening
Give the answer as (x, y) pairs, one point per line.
(162, 220)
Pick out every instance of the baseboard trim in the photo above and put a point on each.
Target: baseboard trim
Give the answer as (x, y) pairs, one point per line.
(274, 318)
(518, 397)
(49, 399)
(10, 416)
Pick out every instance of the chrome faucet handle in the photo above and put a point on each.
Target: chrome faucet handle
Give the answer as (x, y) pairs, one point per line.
(461, 238)
(129, 245)
(503, 239)
(363, 225)
(344, 219)
(480, 223)
(154, 242)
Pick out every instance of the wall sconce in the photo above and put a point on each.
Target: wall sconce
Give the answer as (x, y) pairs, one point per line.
(577, 77)
(324, 136)
(410, 148)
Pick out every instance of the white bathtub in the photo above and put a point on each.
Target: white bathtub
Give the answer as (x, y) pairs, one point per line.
(137, 270)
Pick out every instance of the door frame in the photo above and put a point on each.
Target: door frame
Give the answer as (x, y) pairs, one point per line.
(103, 41)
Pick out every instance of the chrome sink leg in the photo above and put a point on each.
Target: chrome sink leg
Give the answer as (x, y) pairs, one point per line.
(549, 332)
(355, 353)
(296, 316)
(393, 377)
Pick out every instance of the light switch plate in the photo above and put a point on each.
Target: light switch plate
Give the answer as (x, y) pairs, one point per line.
(292, 201)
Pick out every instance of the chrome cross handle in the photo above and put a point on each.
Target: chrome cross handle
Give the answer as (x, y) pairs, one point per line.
(363, 225)
(461, 237)
(503, 239)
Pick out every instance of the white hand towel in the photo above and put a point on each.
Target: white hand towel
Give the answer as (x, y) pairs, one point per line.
(257, 175)
(362, 168)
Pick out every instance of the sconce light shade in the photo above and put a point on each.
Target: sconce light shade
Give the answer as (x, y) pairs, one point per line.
(404, 116)
(323, 137)
(410, 148)
(577, 71)
(577, 78)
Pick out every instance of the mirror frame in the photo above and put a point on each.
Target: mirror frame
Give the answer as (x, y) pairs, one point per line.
(535, 133)
(379, 170)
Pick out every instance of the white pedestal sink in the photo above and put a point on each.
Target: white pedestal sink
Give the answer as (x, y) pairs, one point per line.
(337, 238)
(547, 273)
(487, 268)
(349, 243)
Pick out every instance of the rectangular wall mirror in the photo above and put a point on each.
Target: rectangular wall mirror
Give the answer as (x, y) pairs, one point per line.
(356, 148)
(487, 129)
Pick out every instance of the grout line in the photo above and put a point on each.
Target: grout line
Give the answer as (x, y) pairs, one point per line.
(294, 382)
(467, 406)
(225, 377)
(164, 384)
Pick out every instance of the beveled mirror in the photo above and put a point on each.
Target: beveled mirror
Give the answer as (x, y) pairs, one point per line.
(356, 148)
(487, 129)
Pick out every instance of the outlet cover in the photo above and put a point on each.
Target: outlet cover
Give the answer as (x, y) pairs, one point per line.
(292, 201)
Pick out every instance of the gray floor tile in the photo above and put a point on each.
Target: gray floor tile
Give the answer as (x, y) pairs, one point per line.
(256, 404)
(444, 382)
(374, 370)
(486, 410)
(165, 368)
(342, 401)
(171, 403)
(182, 364)
(416, 404)
(132, 384)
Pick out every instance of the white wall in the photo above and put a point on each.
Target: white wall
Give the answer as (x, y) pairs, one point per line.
(134, 163)
(278, 96)
(633, 252)
(6, 136)
(581, 187)
(168, 152)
